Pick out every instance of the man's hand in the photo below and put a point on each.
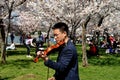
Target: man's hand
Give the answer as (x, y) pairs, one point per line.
(52, 78)
(41, 55)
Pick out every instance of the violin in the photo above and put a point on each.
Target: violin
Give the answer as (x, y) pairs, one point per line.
(49, 49)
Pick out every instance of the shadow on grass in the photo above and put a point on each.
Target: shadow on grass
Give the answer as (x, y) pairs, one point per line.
(111, 60)
(18, 63)
(13, 52)
(19, 52)
(6, 78)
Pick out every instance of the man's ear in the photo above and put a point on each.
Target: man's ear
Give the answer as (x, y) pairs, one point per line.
(65, 32)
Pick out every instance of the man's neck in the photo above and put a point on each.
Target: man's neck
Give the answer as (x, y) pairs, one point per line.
(66, 39)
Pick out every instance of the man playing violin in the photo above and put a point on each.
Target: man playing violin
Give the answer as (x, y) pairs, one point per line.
(66, 66)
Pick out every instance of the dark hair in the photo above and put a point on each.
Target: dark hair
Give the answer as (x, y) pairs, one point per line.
(62, 26)
(1, 21)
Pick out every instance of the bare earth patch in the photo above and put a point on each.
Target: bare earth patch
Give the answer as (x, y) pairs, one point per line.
(28, 77)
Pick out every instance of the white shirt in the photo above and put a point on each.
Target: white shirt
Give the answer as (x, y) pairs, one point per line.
(28, 41)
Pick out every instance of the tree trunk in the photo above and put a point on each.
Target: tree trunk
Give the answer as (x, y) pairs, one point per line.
(3, 46)
(3, 52)
(84, 25)
(48, 36)
(84, 57)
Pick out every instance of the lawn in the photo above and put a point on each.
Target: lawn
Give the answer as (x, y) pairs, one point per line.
(19, 67)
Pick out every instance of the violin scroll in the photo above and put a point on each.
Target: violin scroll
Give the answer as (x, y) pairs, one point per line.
(36, 59)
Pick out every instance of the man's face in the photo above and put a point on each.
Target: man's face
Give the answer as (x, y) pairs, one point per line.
(58, 35)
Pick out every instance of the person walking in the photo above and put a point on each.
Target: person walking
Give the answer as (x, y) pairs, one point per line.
(12, 37)
(66, 66)
(28, 42)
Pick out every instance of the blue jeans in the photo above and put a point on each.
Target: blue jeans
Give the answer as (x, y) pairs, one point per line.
(28, 49)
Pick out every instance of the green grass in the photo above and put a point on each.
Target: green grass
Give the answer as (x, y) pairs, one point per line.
(19, 67)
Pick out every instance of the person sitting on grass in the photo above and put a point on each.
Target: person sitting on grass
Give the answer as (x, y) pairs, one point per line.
(11, 47)
(93, 51)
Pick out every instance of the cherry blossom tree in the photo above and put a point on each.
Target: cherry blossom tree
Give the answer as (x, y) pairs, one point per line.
(27, 22)
(7, 6)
